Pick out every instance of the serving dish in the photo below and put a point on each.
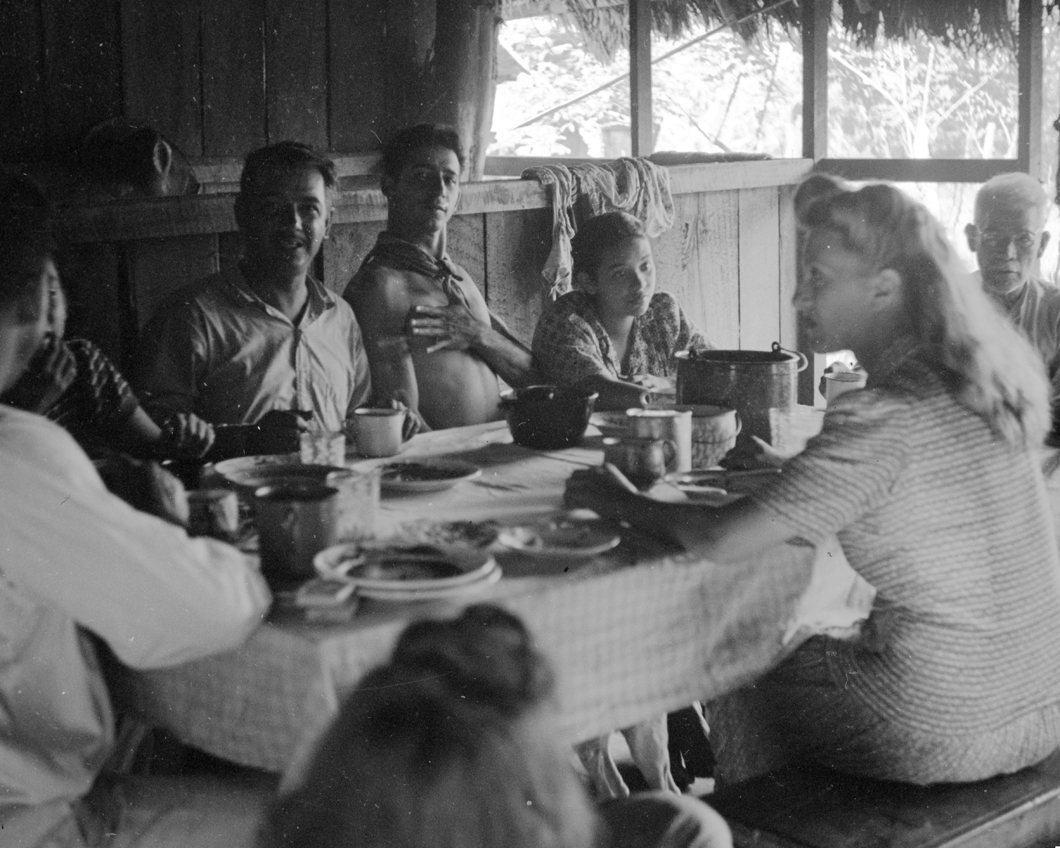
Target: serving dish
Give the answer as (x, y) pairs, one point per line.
(425, 475)
(251, 472)
(561, 537)
(397, 571)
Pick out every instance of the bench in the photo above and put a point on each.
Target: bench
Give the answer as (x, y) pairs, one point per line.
(817, 808)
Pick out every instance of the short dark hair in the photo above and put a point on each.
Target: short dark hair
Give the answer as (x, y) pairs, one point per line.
(284, 156)
(597, 235)
(397, 151)
(26, 238)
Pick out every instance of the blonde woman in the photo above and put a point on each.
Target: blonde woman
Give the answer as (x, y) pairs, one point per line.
(929, 477)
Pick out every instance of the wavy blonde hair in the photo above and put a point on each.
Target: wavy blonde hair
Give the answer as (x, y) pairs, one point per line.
(983, 360)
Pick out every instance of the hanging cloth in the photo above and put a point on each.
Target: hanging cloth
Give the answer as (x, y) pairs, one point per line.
(636, 186)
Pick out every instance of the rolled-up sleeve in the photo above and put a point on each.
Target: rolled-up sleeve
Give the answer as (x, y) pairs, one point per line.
(172, 353)
(156, 596)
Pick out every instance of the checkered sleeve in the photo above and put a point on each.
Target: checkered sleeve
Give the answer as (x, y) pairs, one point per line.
(566, 349)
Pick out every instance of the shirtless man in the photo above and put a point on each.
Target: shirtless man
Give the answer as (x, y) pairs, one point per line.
(432, 342)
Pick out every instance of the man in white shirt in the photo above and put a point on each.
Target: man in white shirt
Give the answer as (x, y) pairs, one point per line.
(1008, 238)
(76, 561)
(262, 338)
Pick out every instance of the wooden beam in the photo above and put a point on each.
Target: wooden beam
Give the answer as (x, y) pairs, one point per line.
(166, 217)
(816, 17)
(1030, 71)
(919, 170)
(640, 110)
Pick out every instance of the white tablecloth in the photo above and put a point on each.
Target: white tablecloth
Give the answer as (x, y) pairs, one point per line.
(632, 633)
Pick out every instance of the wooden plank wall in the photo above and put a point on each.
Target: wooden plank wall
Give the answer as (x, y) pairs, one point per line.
(729, 259)
(218, 79)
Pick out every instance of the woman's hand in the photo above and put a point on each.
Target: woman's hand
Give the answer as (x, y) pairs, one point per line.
(655, 385)
(51, 371)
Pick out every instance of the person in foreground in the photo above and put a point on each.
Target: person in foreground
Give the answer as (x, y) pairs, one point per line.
(432, 342)
(1008, 238)
(614, 334)
(455, 743)
(929, 477)
(76, 564)
(263, 342)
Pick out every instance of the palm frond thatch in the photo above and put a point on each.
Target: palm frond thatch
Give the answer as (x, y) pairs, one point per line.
(969, 24)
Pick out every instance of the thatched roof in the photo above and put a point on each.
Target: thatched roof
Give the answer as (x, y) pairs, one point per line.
(966, 23)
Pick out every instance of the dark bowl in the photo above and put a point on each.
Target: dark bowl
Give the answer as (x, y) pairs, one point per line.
(547, 417)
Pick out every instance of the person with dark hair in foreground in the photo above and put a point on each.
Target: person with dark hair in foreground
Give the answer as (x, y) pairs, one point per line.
(454, 744)
(263, 342)
(432, 342)
(931, 480)
(77, 562)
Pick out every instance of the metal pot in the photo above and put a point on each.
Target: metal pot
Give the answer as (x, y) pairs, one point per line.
(752, 382)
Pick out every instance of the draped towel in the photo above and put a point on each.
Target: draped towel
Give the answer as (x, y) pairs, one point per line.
(636, 186)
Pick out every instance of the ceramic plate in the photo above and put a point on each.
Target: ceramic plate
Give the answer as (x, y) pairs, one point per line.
(706, 487)
(396, 571)
(472, 534)
(425, 475)
(431, 593)
(271, 469)
(562, 537)
(611, 423)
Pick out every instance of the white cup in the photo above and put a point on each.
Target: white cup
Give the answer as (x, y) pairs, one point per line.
(837, 383)
(377, 432)
(674, 425)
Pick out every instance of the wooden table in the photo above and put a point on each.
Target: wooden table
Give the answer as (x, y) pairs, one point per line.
(632, 633)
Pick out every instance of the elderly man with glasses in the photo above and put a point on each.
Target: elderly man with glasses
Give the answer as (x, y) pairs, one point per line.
(1008, 238)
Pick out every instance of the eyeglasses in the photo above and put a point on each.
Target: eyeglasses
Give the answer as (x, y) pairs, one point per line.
(1024, 239)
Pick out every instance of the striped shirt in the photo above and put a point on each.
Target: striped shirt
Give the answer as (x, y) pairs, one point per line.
(952, 527)
(98, 403)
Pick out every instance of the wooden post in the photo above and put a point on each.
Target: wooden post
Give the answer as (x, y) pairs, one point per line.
(464, 72)
(816, 16)
(1030, 72)
(640, 110)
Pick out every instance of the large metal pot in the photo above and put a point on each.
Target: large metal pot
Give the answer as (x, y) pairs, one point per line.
(753, 382)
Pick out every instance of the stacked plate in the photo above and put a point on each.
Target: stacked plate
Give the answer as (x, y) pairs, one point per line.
(408, 572)
(426, 475)
(563, 538)
(250, 472)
